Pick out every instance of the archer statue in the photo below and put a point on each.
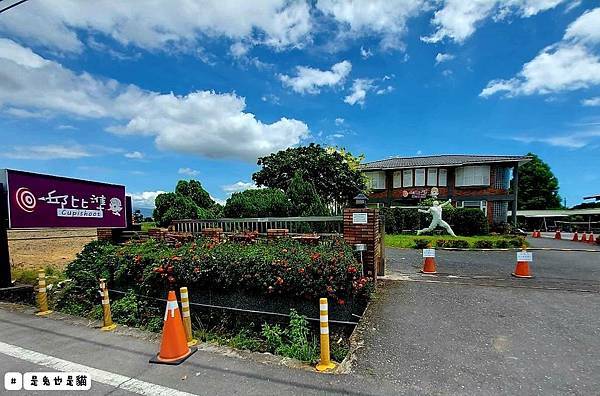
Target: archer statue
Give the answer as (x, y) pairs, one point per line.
(436, 212)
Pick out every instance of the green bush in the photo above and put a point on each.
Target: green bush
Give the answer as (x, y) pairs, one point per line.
(172, 206)
(441, 243)
(517, 242)
(457, 243)
(422, 243)
(503, 244)
(264, 202)
(282, 268)
(484, 244)
(468, 221)
(293, 342)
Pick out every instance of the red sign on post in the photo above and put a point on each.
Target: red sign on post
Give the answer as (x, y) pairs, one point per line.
(43, 201)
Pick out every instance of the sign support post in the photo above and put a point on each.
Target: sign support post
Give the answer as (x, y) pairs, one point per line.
(5, 276)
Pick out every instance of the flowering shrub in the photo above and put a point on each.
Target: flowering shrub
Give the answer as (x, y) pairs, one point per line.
(279, 268)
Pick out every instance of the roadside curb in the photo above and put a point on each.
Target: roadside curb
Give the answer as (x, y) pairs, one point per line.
(122, 330)
(504, 249)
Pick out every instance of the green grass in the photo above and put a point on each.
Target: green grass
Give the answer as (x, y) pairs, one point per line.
(407, 241)
(147, 226)
(29, 276)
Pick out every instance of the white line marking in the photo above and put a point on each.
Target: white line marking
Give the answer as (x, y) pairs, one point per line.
(104, 377)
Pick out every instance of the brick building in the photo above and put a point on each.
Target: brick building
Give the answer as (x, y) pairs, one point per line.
(476, 181)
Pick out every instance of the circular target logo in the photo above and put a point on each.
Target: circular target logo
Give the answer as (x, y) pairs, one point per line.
(25, 199)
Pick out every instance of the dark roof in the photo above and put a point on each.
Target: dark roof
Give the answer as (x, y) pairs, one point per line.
(596, 197)
(442, 160)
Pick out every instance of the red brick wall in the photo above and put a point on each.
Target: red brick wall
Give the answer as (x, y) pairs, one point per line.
(367, 234)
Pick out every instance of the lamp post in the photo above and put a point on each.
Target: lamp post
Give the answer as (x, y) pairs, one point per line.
(360, 201)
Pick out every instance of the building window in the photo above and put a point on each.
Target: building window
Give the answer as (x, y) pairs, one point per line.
(407, 178)
(500, 212)
(397, 179)
(481, 205)
(432, 174)
(376, 180)
(502, 179)
(443, 177)
(473, 176)
(419, 177)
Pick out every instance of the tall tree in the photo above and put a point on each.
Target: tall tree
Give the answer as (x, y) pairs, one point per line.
(194, 190)
(304, 198)
(538, 187)
(264, 202)
(333, 172)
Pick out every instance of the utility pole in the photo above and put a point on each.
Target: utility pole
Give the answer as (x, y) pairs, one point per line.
(5, 276)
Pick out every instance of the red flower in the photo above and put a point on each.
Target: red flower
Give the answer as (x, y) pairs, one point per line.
(137, 259)
(351, 270)
(301, 270)
(159, 270)
(196, 270)
(315, 256)
(341, 301)
(279, 281)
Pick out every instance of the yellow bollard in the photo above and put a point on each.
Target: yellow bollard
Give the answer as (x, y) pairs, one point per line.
(106, 316)
(185, 313)
(42, 297)
(325, 362)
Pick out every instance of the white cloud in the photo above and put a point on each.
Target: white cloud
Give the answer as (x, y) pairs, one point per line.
(237, 187)
(188, 172)
(591, 101)
(458, 19)
(386, 90)
(271, 98)
(365, 53)
(568, 65)
(358, 91)
(309, 80)
(46, 152)
(586, 28)
(155, 24)
(439, 58)
(134, 155)
(575, 140)
(22, 113)
(145, 199)
(339, 121)
(362, 86)
(239, 49)
(206, 123)
(385, 18)
(63, 127)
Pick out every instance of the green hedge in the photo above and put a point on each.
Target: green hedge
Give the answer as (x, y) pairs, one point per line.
(464, 221)
(283, 268)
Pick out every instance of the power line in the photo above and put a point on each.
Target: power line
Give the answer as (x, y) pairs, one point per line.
(12, 5)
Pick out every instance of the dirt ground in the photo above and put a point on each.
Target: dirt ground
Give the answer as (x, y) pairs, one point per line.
(55, 248)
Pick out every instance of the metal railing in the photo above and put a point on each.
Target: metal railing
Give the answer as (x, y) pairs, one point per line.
(295, 225)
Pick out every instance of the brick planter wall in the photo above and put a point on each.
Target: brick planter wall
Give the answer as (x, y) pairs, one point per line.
(365, 233)
(274, 233)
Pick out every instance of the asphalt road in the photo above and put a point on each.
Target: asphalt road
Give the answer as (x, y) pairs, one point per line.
(475, 330)
(565, 270)
(204, 373)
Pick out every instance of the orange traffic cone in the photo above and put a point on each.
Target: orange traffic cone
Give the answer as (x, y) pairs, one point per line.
(575, 236)
(522, 268)
(591, 238)
(429, 266)
(557, 235)
(173, 346)
(584, 237)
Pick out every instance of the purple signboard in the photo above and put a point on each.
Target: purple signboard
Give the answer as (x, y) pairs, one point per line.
(42, 201)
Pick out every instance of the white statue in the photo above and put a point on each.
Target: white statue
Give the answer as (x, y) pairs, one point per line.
(436, 213)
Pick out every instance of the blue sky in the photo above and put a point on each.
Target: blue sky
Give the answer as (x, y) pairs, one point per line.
(146, 95)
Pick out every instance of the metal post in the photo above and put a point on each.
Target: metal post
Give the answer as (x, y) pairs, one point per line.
(42, 297)
(108, 324)
(515, 193)
(5, 277)
(325, 362)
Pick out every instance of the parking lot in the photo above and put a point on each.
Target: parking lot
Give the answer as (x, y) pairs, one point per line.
(475, 329)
